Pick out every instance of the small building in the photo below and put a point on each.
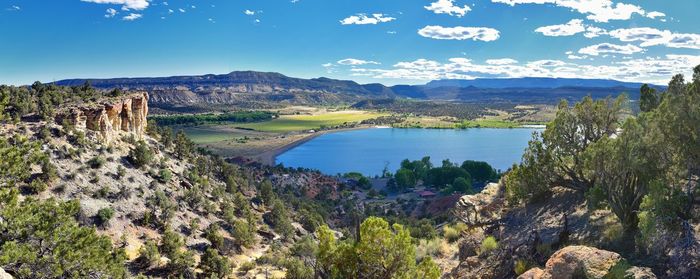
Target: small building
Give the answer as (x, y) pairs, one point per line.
(426, 194)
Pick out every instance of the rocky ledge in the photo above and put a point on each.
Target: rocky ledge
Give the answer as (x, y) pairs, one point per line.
(585, 262)
(108, 117)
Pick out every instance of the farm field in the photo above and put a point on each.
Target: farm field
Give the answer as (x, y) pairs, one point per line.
(292, 123)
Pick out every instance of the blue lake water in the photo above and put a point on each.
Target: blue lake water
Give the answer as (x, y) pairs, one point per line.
(367, 151)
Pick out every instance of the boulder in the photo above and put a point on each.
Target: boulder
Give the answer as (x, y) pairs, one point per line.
(582, 262)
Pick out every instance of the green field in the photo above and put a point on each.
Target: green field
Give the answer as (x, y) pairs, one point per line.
(208, 134)
(290, 123)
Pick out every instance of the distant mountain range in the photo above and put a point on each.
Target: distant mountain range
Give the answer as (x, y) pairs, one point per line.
(256, 88)
(531, 82)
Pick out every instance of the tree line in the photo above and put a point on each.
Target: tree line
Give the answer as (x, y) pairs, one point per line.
(198, 119)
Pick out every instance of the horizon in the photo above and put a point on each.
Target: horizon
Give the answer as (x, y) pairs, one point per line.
(392, 42)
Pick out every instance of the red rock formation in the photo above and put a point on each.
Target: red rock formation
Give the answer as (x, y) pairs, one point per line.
(110, 116)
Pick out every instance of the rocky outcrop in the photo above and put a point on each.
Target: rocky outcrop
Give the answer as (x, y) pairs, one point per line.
(583, 262)
(481, 208)
(108, 117)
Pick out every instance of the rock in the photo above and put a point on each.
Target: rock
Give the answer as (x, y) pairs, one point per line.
(640, 273)
(594, 263)
(110, 116)
(482, 207)
(469, 245)
(582, 262)
(532, 274)
(5, 275)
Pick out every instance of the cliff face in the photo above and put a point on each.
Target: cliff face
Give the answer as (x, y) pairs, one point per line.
(110, 116)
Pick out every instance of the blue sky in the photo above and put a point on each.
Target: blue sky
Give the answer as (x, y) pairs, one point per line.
(386, 41)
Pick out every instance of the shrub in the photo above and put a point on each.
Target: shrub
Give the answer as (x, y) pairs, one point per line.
(521, 266)
(214, 265)
(141, 155)
(247, 266)
(148, 253)
(243, 233)
(489, 244)
(165, 175)
(96, 162)
(104, 215)
(171, 243)
(297, 269)
(121, 172)
(214, 236)
(454, 232)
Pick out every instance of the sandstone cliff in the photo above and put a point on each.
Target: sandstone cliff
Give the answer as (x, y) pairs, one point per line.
(108, 117)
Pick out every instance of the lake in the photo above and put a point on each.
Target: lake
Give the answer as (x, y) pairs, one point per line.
(368, 151)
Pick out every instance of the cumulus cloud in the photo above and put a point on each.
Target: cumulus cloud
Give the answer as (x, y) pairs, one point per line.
(448, 7)
(596, 50)
(656, 70)
(501, 61)
(132, 16)
(592, 32)
(572, 27)
(655, 14)
(353, 62)
(110, 13)
(459, 33)
(653, 37)
(126, 4)
(596, 10)
(249, 12)
(366, 19)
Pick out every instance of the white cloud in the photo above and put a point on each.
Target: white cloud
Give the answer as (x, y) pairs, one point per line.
(353, 61)
(249, 12)
(592, 32)
(181, 10)
(652, 37)
(110, 13)
(655, 14)
(448, 7)
(13, 8)
(126, 4)
(572, 27)
(597, 10)
(132, 16)
(596, 50)
(459, 33)
(365, 19)
(501, 61)
(657, 70)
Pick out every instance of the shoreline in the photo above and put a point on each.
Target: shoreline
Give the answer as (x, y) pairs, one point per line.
(269, 157)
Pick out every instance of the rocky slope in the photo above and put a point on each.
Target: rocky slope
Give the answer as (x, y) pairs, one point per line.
(91, 146)
(528, 237)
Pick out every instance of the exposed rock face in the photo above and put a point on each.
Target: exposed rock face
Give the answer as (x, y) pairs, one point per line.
(577, 261)
(108, 117)
(482, 207)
